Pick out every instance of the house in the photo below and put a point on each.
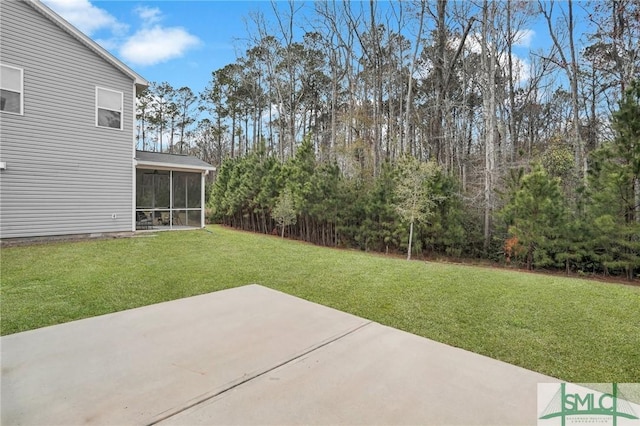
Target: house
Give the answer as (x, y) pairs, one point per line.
(67, 135)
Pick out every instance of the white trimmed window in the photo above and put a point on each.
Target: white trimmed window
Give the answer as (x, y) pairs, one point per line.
(108, 108)
(11, 89)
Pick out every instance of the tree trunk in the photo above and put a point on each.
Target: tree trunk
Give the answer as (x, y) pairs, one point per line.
(513, 134)
(489, 101)
(410, 240)
(579, 143)
(441, 46)
(636, 184)
(233, 134)
(406, 139)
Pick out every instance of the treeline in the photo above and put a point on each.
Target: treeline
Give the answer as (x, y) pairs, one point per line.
(332, 209)
(540, 224)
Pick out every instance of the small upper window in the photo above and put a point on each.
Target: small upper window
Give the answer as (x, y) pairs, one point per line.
(108, 108)
(10, 89)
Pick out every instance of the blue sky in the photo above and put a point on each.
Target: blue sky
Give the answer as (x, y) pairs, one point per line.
(182, 42)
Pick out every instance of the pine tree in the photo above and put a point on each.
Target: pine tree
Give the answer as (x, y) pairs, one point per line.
(538, 217)
(615, 191)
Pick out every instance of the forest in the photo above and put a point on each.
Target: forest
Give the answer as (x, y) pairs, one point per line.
(414, 127)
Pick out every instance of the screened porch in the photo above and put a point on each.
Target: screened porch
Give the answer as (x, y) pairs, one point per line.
(168, 196)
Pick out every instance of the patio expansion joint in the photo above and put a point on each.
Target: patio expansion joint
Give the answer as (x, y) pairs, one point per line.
(207, 397)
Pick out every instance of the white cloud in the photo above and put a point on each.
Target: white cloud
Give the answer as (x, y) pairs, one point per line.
(523, 38)
(471, 43)
(521, 70)
(150, 46)
(153, 43)
(521, 66)
(148, 15)
(85, 16)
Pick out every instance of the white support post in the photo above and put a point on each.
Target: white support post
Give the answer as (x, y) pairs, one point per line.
(171, 206)
(202, 175)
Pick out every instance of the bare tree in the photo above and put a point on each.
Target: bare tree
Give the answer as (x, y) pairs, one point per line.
(569, 63)
(414, 202)
(185, 101)
(489, 66)
(407, 140)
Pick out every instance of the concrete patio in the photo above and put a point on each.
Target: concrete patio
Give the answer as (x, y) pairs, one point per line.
(252, 355)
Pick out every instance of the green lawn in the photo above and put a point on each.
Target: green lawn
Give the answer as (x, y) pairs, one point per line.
(572, 329)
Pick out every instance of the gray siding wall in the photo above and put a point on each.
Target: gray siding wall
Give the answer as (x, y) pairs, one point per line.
(64, 175)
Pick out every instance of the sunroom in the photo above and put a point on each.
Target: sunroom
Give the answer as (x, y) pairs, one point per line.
(169, 191)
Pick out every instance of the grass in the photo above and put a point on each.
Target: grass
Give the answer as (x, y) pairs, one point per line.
(575, 330)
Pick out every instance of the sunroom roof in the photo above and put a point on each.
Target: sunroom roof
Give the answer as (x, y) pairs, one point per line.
(163, 160)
